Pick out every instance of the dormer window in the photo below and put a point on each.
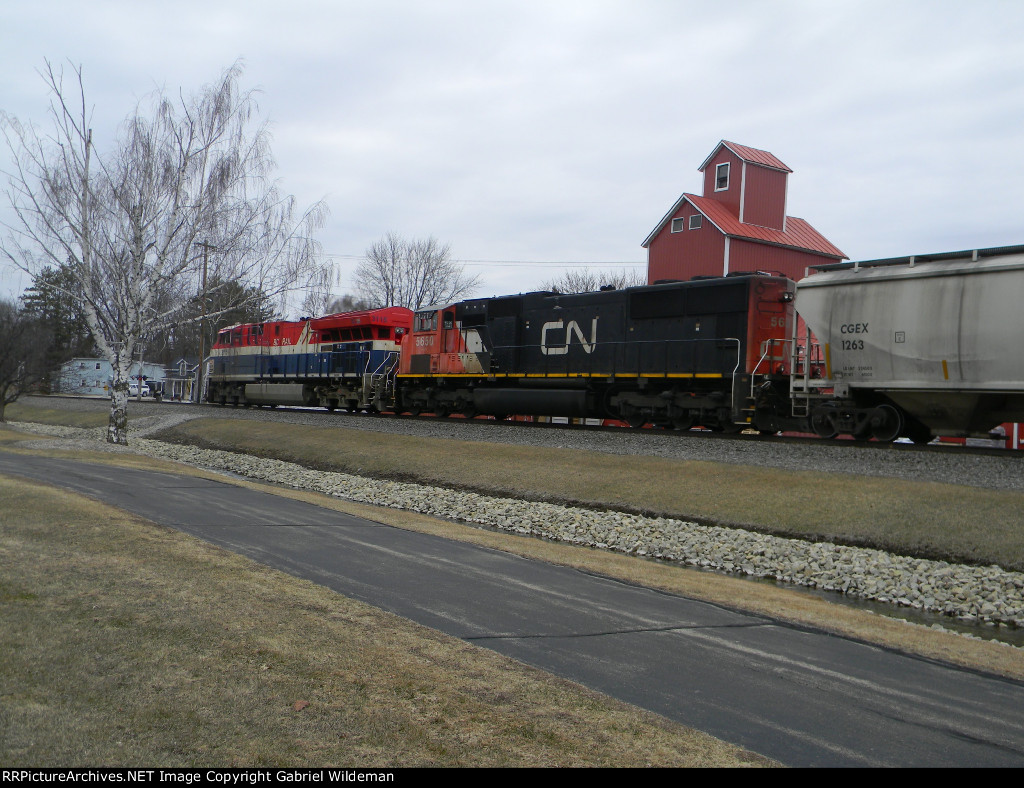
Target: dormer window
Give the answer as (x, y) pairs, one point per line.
(678, 225)
(722, 177)
(695, 222)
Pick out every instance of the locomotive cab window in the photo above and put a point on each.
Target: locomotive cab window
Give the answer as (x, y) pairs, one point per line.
(722, 177)
(426, 321)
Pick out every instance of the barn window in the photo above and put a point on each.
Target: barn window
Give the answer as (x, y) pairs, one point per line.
(695, 222)
(722, 177)
(677, 225)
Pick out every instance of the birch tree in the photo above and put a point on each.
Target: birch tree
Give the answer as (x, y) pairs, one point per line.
(413, 274)
(182, 196)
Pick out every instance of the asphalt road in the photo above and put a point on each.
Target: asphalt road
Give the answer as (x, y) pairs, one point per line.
(803, 697)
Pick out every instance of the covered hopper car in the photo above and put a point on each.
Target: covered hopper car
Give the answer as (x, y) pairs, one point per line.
(919, 346)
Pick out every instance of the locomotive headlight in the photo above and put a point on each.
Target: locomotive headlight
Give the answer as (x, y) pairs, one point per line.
(787, 297)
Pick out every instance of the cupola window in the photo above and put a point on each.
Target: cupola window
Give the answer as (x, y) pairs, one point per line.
(722, 177)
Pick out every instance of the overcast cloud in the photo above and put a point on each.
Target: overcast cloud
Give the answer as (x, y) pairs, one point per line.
(561, 132)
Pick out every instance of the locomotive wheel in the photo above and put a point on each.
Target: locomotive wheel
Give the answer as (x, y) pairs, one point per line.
(886, 423)
(683, 423)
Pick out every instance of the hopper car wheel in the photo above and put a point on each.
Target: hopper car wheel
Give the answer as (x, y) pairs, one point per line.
(822, 426)
(919, 434)
(886, 423)
(863, 433)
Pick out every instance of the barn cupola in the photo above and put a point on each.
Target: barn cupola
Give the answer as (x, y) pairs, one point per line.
(751, 183)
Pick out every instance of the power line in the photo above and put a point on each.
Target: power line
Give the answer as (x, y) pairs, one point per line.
(556, 263)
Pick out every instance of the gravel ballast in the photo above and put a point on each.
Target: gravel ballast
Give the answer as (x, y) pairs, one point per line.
(970, 593)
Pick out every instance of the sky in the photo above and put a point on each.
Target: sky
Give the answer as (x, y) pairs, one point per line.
(536, 136)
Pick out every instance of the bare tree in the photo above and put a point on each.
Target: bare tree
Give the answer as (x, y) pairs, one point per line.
(183, 197)
(588, 280)
(23, 346)
(346, 303)
(318, 292)
(413, 274)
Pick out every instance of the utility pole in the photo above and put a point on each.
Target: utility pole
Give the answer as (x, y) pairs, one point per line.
(202, 325)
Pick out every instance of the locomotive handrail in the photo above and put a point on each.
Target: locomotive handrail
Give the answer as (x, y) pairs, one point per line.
(739, 362)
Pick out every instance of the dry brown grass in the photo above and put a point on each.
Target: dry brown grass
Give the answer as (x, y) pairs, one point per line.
(31, 411)
(126, 643)
(946, 521)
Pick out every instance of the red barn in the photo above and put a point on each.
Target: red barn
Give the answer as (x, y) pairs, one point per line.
(739, 224)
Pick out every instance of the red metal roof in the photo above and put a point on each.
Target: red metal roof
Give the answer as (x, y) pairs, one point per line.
(798, 234)
(752, 155)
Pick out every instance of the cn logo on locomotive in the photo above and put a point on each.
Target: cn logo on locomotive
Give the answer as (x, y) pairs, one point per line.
(572, 328)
